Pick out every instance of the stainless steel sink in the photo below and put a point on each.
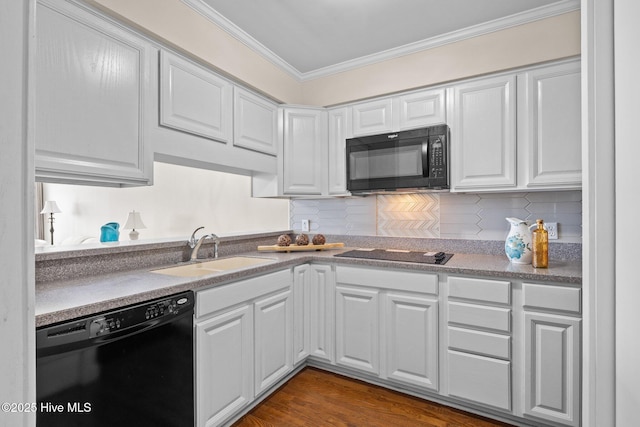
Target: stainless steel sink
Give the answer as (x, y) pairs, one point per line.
(205, 268)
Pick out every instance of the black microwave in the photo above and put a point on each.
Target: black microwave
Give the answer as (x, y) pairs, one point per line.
(413, 159)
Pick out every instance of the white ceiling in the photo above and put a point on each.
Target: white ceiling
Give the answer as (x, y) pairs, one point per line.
(314, 37)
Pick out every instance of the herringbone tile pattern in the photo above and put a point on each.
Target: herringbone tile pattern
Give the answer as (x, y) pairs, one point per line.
(408, 215)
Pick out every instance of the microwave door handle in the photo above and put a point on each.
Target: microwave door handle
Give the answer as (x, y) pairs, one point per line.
(425, 159)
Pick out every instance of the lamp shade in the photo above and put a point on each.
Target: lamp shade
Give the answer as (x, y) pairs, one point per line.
(134, 221)
(50, 206)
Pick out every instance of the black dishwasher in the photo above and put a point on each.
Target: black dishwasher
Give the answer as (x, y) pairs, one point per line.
(128, 367)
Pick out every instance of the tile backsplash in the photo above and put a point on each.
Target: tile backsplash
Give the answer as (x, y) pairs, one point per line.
(479, 216)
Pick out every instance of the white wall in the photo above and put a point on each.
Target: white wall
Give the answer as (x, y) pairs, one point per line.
(180, 200)
(536, 42)
(178, 25)
(181, 27)
(627, 289)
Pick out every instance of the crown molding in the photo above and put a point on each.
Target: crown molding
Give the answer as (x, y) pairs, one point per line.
(532, 15)
(238, 33)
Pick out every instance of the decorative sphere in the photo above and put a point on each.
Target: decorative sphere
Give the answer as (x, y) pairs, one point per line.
(302, 240)
(284, 240)
(319, 239)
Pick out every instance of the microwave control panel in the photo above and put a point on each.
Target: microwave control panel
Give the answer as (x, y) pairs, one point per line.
(437, 159)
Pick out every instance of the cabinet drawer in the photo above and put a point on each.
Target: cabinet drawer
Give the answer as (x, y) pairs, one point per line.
(551, 297)
(495, 318)
(479, 342)
(411, 281)
(225, 296)
(480, 289)
(480, 379)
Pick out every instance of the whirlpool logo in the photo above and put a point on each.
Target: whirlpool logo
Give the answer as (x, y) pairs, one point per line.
(393, 135)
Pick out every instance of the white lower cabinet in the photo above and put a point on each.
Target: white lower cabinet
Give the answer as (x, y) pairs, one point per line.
(552, 353)
(480, 379)
(479, 329)
(224, 358)
(357, 328)
(273, 339)
(313, 313)
(501, 347)
(322, 313)
(387, 324)
(302, 277)
(411, 342)
(243, 344)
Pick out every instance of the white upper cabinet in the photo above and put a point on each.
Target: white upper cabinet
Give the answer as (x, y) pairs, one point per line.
(208, 122)
(194, 99)
(373, 117)
(424, 108)
(339, 128)
(304, 151)
(517, 131)
(483, 133)
(255, 122)
(409, 111)
(93, 105)
(549, 126)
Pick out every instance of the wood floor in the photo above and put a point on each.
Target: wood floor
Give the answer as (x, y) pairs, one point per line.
(319, 398)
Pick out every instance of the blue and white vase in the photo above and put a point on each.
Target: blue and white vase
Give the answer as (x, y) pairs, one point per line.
(518, 243)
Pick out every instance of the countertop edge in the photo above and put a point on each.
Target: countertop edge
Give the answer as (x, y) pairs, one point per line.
(463, 264)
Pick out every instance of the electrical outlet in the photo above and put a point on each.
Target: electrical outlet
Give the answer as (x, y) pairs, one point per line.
(305, 225)
(552, 229)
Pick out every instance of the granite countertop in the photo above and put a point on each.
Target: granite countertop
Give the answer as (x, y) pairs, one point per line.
(66, 299)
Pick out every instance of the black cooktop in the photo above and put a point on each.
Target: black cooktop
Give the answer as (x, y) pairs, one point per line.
(439, 258)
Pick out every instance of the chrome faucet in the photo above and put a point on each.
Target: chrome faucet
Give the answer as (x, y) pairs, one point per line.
(195, 244)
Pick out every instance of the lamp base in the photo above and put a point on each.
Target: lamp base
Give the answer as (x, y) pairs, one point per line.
(133, 235)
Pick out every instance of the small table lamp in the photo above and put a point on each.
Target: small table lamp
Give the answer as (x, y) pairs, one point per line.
(50, 207)
(134, 221)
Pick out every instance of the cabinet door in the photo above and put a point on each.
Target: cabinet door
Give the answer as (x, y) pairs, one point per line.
(255, 122)
(357, 328)
(373, 117)
(224, 365)
(194, 99)
(322, 312)
(549, 126)
(93, 103)
(337, 164)
(552, 368)
(483, 134)
(273, 340)
(302, 278)
(422, 109)
(304, 151)
(411, 326)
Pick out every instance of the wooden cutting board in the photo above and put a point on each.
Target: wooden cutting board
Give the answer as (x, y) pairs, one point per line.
(296, 248)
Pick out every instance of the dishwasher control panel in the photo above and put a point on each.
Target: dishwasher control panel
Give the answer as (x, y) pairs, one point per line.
(99, 326)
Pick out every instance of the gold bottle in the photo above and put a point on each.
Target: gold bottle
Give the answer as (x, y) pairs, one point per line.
(540, 242)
